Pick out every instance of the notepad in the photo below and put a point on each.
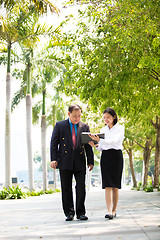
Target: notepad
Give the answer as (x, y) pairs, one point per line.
(86, 138)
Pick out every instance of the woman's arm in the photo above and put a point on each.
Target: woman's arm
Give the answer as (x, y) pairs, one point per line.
(115, 139)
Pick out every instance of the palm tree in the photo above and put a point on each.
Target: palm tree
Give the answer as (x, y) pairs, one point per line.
(12, 27)
(35, 31)
(40, 7)
(28, 57)
(8, 35)
(49, 68)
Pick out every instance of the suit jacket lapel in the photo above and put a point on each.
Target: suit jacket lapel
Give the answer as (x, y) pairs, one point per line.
(79, 126)
(69, 132)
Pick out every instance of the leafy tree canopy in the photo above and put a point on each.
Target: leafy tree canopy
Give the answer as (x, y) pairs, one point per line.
(113, 58)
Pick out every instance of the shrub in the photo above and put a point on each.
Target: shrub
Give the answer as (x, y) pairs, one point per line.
(139, 186)
(148, 188)
(17, 193)
(12, 193)
(34, 193)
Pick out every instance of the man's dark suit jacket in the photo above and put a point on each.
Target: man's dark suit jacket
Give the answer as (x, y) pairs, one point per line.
(62, 147)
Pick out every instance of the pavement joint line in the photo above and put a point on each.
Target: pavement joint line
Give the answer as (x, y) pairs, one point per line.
(155, 205)
(138, 224)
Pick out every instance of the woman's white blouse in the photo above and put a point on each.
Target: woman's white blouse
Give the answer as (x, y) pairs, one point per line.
(113, 138)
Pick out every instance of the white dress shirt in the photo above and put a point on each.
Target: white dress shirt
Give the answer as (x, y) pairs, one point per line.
(113, 138)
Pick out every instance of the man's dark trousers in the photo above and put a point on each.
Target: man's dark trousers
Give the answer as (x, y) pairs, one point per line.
(67, 194)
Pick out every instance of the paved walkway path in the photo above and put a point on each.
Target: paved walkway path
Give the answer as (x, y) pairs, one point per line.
(138, 217)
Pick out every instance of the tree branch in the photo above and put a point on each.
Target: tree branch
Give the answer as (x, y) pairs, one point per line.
(155, 78)
(155, 75)
(155, 72)
(154, 125)
(138, 144)
(157, 123)
(125, 148)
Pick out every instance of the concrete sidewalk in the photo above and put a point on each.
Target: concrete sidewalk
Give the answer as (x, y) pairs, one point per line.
(138, 217)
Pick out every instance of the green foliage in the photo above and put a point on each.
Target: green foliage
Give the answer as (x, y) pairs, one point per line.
(12, 193)
(34, 193)
(112, 58)
(148, 188)
(40, 7)
(36, 113)
(50, 191)
(17, 193)
(139, 186)
(3, 59)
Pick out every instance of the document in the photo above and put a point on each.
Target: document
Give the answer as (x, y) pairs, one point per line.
(86, 138)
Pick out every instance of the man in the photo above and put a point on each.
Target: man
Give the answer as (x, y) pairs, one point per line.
(68, 154)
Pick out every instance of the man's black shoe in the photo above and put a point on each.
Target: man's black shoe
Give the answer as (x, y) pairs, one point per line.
(82, 217)
(69, 217)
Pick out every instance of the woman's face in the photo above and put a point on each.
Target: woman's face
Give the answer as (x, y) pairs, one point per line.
(108, 119)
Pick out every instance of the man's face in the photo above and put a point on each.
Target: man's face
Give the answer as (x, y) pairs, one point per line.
(75, 116)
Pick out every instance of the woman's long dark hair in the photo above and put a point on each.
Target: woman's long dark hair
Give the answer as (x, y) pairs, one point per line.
(112, 113)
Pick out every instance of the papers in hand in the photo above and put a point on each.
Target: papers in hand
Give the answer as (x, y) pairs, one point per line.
(86, 138)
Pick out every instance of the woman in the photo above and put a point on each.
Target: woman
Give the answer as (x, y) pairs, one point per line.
(111, 159)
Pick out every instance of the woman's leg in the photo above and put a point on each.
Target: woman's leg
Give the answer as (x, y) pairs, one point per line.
(108, 197)
(115, 199)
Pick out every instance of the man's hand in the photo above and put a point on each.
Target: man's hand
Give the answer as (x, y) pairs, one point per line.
(53, 164)
(90, 166)
(91, 143)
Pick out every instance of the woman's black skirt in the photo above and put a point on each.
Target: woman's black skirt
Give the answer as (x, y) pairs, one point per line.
(111, 168)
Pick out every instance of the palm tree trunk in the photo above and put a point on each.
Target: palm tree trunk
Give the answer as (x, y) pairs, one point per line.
(29, 129)
(54, 114)
(55, 178)
(7, 123)
(43, 150)
(29, 139)
(43, 141)
(54, 121)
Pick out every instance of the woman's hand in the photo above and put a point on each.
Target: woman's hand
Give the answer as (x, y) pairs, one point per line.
(94, 137)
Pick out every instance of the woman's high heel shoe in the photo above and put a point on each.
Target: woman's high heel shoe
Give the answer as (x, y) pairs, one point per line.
(110, 216)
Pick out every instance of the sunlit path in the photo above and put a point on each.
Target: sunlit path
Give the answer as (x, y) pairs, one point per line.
(138, 217)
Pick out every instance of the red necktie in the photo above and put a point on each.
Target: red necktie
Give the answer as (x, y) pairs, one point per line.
(73, 136)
